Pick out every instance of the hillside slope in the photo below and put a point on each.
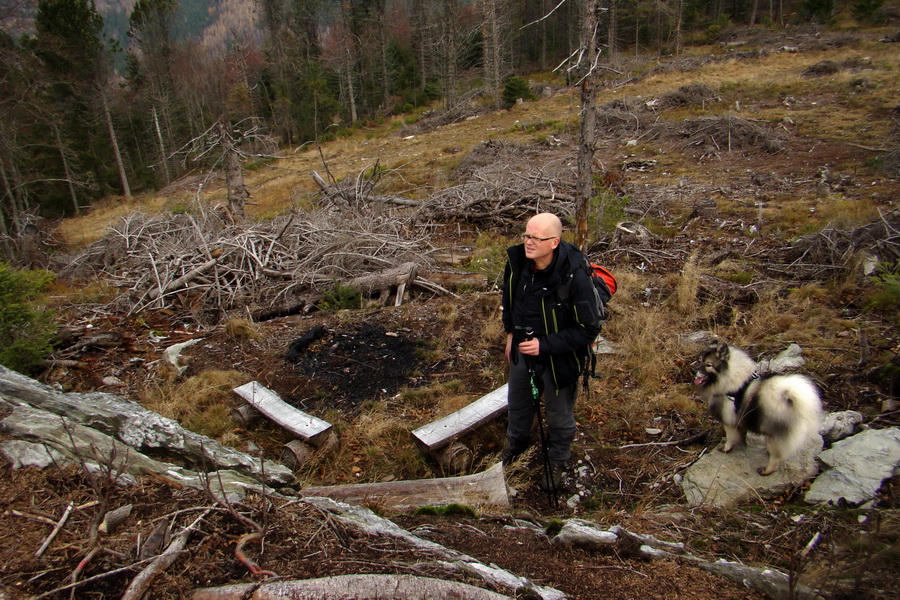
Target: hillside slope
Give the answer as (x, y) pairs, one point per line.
(726, 155)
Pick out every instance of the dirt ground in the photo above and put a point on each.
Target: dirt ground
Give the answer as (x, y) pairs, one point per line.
(375, 355)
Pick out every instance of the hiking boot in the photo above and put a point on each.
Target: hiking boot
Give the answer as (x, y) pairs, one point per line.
(508, 455)
(555, 480)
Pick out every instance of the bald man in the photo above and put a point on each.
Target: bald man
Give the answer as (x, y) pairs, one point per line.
(548, 334)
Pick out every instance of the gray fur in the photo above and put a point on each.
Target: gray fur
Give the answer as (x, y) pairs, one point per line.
(785, 409)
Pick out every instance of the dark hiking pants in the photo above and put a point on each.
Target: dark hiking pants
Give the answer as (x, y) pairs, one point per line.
(559, 409)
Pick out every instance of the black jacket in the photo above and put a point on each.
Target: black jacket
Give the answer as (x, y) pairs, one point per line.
(565, 327)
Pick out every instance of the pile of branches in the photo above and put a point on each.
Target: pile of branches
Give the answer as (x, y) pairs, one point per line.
(214, 268)
(503, 185)
(820, 254)
(729, 133)
(694, 94)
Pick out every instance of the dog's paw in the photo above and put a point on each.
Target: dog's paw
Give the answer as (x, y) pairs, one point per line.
(764, 471)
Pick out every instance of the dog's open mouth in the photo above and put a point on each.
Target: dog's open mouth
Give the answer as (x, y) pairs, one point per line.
(700, 379)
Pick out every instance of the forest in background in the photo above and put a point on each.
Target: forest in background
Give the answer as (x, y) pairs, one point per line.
(74, 128)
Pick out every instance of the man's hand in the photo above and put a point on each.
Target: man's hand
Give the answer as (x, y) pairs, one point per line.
(530, 347)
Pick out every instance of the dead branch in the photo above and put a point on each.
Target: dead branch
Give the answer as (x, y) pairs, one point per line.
(820, 253)
(91, 579)
(56, 530)
(271, 268)
(694, 438)
(141, 583)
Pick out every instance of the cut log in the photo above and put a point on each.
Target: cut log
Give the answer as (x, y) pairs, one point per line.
(371, 586)
(487, 488)
(295, 454)
(245, 415)
(440, 433)
(455, 457)
(303, 426)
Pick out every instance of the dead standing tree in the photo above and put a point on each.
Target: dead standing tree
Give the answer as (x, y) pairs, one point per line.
(585, 60)
(228, 138)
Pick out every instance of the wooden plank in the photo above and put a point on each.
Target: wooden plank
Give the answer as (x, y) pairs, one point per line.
(487, 488)
(306, 427)
(439, 433)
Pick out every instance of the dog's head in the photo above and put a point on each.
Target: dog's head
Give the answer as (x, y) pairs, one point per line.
(711, 363)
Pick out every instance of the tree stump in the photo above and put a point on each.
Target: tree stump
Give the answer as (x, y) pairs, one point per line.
(245, 415)
(296, 454)
(456, 458)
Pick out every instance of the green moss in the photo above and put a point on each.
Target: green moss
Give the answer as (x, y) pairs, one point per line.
(450, 510)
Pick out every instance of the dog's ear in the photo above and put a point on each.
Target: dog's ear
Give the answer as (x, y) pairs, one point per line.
(722, 351)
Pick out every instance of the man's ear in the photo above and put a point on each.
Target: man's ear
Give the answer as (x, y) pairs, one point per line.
(556, 242)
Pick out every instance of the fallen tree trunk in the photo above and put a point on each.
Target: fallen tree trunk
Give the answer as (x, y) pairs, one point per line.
(481, 489)
(183, 280)
(382, 282)
(369, 586)
(353, 196)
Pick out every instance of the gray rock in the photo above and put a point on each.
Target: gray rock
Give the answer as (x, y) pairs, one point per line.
(774, 584)
(136, 427)
(720, 479)
(839, 425)
(789, 358)
(29, 454)
(858, 466)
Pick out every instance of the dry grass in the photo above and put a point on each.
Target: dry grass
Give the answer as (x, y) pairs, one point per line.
(376, 446)
(241, 329)
(201, 403)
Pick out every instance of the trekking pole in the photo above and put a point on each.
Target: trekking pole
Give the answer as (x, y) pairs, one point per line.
(545, 451)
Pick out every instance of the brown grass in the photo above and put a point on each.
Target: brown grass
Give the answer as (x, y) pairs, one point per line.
(201, 403)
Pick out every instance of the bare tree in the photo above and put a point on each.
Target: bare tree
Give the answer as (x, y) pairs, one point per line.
(492, 22)
(120, 164)
(590, 53)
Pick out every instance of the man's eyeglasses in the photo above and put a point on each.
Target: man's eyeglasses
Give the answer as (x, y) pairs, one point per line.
(532, 238)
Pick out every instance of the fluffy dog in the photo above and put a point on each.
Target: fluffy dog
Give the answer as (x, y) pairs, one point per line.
(785, 409)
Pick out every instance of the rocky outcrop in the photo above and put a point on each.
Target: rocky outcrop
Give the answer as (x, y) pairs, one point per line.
(108, 432)
(722, 480)
(857, 468)
(851, 471)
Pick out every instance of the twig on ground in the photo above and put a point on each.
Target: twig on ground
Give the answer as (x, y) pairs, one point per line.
(141, 583)
(694, 438)
(56, 530)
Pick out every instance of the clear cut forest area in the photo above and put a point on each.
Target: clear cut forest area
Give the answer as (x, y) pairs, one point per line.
(744, 189)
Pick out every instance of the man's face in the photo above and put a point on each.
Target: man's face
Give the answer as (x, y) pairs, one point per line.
(540, 241)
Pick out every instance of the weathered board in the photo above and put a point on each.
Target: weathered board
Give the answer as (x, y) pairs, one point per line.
(306, 427)
(487, 488)
(439, 433)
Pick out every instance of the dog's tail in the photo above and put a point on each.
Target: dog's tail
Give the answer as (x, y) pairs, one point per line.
(797, 408)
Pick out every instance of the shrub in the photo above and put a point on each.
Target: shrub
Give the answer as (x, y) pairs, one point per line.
(26, 330)
(514, 88)
(866, 10)
(340, 297)
(885, 297)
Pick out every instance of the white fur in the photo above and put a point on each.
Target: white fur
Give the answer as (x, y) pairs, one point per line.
(789, 405)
